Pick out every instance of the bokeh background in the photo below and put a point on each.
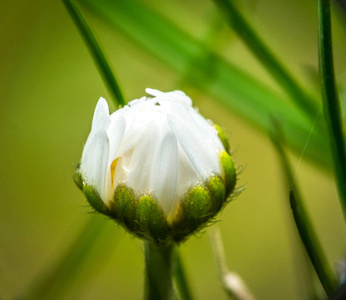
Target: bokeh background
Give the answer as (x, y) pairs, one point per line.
(49, 87)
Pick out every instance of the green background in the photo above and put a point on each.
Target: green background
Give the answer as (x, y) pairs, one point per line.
(49, 87)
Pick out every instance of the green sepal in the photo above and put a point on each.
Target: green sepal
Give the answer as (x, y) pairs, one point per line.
(196, 206)
(151, 219)
(124, 206)
(217, 192)
(193, 211)
(229, 173)
(222, 137)
(94, 199)
(78, 179)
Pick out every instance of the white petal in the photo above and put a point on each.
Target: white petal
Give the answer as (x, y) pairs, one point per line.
(161, 143)
(134, 102)
(115, 115)
(181, 111)
(133, 133)
(208, 131)
(180, 96)
(94, 161)
(164, 175)
(101, 115)
(188, 175)
(179, 93)
(142, 160)
(201, 157)
(153, 92)
(115, 133)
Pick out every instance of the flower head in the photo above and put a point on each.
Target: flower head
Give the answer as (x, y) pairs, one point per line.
(156, 166)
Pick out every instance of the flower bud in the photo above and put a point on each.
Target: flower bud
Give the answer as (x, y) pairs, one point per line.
(156, 166)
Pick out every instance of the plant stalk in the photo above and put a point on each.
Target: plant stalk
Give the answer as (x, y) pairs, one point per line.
(158, 272)
(312, 245)
(95, 51)
(302, 219)
(331, 104)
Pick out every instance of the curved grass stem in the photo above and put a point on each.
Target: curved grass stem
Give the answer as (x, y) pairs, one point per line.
(331, 104)
(302, 220)
(312, 246)
(96, 51)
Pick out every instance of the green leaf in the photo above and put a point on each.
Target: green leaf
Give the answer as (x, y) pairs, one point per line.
(234, 88)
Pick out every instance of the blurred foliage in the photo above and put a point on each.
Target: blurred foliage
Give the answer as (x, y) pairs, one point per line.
(202, 67)
(49, 87)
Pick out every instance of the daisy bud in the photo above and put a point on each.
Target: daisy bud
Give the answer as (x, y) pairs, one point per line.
(156, 166)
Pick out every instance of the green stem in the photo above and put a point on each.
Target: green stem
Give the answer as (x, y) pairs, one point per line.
(158, 272)
(267, 58)
(180, 277)
(95, 50)
(302, 220)
(331, 104)
(312, 245)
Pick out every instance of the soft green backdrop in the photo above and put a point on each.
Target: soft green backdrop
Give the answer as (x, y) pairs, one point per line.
(49, 86)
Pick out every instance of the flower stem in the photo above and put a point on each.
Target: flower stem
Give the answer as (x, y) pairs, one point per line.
(95, 50)
(158, 272)
(331, 102)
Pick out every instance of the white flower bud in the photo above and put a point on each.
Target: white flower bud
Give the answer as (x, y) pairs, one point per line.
(156, 157)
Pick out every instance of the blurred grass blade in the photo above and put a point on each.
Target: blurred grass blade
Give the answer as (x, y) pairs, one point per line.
(279, 73)
(330, 97)
(96, 52)
(232, 283)
(302, 220)
(55, 283)
(212, 74)
(180, 277)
